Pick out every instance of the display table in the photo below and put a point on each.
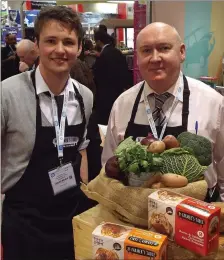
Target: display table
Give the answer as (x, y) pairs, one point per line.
(85, 223)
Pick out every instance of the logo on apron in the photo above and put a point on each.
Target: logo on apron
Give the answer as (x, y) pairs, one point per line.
(69, 141)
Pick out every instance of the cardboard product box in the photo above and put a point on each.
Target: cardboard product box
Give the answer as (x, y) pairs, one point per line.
(113, 241)
(191, 223)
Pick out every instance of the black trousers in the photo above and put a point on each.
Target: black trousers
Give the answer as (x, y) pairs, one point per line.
(16, 246)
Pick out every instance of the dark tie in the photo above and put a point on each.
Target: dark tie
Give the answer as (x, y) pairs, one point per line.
(158, 114)
(59, 101)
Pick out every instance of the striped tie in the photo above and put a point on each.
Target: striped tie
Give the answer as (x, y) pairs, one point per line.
(158, 114)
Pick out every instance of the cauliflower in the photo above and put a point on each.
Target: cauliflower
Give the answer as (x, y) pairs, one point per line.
(198, 145)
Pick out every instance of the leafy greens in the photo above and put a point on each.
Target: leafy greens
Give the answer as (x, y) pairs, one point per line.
(134, 157)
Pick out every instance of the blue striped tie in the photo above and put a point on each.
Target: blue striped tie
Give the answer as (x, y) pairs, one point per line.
(158, 114)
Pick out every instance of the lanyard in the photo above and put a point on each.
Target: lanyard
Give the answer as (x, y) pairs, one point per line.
(60, 131)
(148, 110)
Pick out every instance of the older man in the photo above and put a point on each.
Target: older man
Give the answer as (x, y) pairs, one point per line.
(167, 96)
(28, 55)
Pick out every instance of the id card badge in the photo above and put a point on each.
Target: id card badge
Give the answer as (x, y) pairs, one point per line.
(62, 178)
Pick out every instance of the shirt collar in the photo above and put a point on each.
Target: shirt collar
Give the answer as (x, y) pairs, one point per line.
(42, 87)
(172, 90)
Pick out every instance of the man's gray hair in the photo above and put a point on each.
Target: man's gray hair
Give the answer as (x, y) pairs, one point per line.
(25, 44)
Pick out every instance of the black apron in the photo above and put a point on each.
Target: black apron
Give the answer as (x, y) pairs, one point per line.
(37, 224)
(137, 130)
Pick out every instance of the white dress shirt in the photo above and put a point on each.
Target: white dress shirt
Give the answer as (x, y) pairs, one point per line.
(73, 111)
(205, 106)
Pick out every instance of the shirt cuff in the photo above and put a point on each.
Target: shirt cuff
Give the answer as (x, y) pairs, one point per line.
(84, 144)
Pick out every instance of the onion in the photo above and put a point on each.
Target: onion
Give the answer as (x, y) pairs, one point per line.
(148, 140)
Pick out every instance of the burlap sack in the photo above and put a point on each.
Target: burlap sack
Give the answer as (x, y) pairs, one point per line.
(221, 205)
(130, 204)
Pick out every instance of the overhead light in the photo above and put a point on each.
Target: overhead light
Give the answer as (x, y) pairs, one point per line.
(119, 1)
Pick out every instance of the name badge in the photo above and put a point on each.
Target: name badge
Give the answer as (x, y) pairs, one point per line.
(62, 178)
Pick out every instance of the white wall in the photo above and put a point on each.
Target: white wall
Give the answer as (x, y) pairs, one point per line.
(15, 4)
(105, 8)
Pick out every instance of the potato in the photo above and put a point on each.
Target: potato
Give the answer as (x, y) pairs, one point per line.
(174, 180)
(171, 142)
(156, 147)
(155, 178)
(158, 185)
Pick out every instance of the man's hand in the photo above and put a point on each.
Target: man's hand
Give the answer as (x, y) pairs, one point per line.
(23, 66)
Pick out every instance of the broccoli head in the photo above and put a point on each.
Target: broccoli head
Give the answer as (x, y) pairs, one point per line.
(198, 145)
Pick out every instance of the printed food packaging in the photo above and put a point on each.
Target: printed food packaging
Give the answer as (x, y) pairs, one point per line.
(191, 223)
(113, 241)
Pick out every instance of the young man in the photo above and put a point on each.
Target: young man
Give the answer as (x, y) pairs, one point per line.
(44, 118)
(27, 54)
(147, 106)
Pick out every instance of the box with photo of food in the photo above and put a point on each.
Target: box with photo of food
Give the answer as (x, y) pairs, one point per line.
(191, 223)
(113, 241)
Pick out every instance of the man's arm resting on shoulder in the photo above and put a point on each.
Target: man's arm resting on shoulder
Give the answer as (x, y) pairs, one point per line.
(84, 166)
(112, 138)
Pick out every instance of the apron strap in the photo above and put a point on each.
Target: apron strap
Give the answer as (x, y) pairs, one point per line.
(185, 110)
(82, 108)
(137, 100)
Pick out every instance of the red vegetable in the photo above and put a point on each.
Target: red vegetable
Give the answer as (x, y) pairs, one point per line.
(112, 168)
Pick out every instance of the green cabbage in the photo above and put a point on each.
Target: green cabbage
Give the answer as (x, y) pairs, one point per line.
(180, 161)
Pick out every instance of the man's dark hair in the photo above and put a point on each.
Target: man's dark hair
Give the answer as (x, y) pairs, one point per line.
(103, 28)
(103, 37)
(8, 34)
(61, 14)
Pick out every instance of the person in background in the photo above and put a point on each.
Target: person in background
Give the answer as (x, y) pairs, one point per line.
(9, 67)
(89, 53)
(43, 126)
(9, 51)
(146, 107)
(102, 28)
(9, 58)
(83, 74)
(28, 55)
(110, 75)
